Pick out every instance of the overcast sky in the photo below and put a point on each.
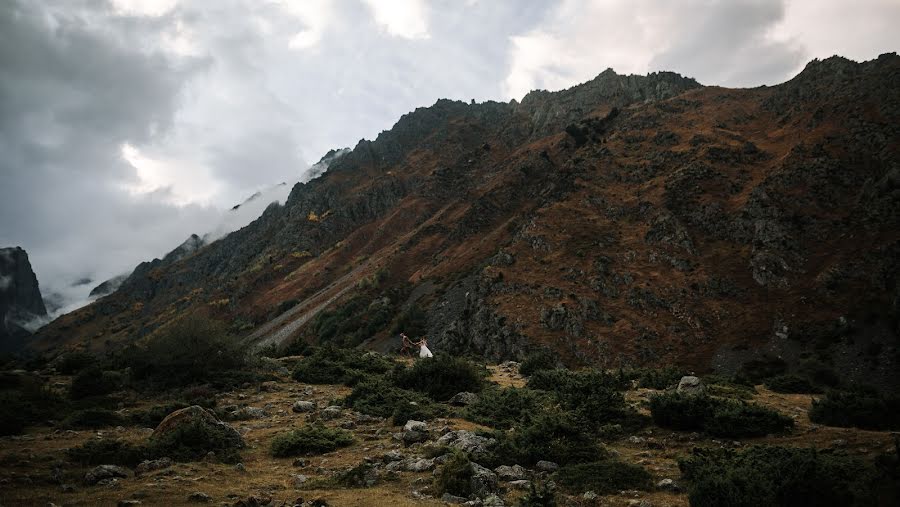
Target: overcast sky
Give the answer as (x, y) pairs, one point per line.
(126, 125)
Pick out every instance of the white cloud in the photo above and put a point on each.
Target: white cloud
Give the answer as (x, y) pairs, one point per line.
(181, 182)
(144, 7)
(401, 18)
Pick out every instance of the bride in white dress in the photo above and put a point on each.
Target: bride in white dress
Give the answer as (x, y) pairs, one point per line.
(423, 349)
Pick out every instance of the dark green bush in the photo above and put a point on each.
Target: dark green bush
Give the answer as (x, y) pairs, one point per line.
(602, 477)
(108, 452)
(859, 409)
(725, 387)
(192, 441)
(413, 322)
(778, 476)
(552, 437)
(716, 416)
(314, 439)
(151, 417)
(455, 476)
(820, 373)
(568, 382)
(26, 403)
(791, 384)
(540, 494)
(356, 320)
(380, 398)
(93, 418)
(503, 408)
(333, 365)
(664, 378)
(442, 376)
(72, 362)
(540, 360)
(592, 396)
(756, 370)
(190, 350)
(93, 381)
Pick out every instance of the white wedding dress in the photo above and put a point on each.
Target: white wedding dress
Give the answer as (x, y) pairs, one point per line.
(424, 352)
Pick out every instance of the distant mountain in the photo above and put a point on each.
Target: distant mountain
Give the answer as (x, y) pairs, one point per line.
(20, 298)
(627, 221)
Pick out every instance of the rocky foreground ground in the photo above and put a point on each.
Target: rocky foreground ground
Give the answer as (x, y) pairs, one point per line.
(398, 463)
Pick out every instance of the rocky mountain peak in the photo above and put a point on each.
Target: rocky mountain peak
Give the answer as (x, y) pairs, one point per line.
(20, 296)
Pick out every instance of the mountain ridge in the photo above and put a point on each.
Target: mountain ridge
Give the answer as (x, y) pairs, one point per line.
(627, 220)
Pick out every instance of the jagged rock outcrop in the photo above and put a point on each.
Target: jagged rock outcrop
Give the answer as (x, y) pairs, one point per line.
(20, 298)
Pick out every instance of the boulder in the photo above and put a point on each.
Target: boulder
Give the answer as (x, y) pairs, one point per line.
(691, 385)
(467, 442)
(329, 413)
(302, 406)
(510, 473)
(199, 497)
(194, 414)
(102, 472)
(483, 481)
(492, 501)
(667, 485)
(417, 465)
(464, 398)
(453, 499)
(151, 465)
(546, 466)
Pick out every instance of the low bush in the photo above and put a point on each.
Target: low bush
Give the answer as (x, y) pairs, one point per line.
(503, 408)
(380, 398)
(778, 476)
(151, 417)
(108, 452)
(93, 381)
(93, 418)
(539, 494)
(442, 376)
(859, 409)
(592, 396)
(552, 437)
(190, 350)
(73, 362)
(716, 416)
(660, 379)
(791, 384)
(455, 476)
(314, 439)
(333, 365)
(540, 360)
(756, 370)
(602, 477)
(725, 387)
(26, 403)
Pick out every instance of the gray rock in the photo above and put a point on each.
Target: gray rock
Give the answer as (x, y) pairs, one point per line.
(329, 413)
(510, 473)
(303, 406)
(464, 398)
(199, 497)
(492, 501)
(546, 466)
(299, 480)
(467, 442)
(392, 456)
(590, 495)
(691, 385)
(415, 426)
(103, 472)
(453, 499)
(523, 484)
(667, 485)
(198, 415)
(417, 465)
(128, 503)
(483, 481)
(151, 465)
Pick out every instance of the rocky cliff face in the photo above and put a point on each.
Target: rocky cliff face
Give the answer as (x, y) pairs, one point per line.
(629, 220)
(20, 297)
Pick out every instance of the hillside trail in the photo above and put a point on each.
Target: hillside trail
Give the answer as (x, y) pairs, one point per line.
(278, 330)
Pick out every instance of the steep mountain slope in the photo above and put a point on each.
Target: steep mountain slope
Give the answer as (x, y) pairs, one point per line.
(20, 297)
(628, 220)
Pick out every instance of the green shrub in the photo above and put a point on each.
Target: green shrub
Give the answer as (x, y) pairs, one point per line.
(791, 384)
(602, 477)
(192, 441)
(716, 416)
(660, 379)
(380, 398)
(820, 373)
(455, 476)
(93, 418)
(29, 402)
(93, 381)
(108, 452)
(333, 365)
(190, 350)
(151, 417)
(859, 409)
(540, 494)
(442, 376)
(778, 476)
(568, 382)
(592, 396)
(413, 321)
(73, 362)
(756, 370)
(718, 385)
(552, 437)
(503, 408)
(314, 439)
(540, 360)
